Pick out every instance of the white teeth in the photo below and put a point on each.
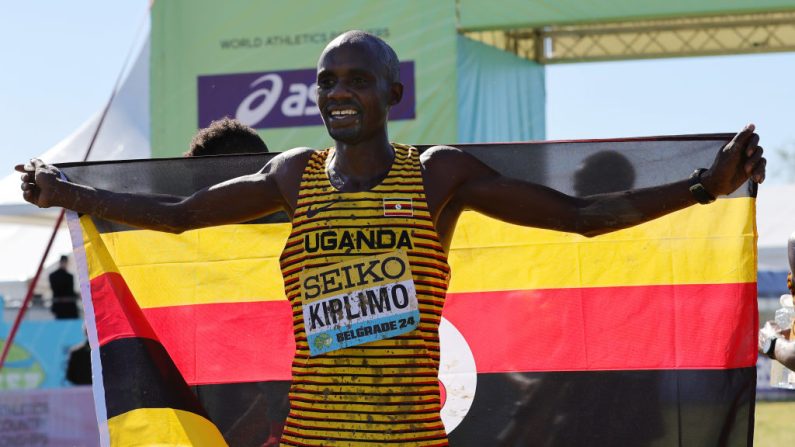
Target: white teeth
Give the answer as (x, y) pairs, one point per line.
(343, 112)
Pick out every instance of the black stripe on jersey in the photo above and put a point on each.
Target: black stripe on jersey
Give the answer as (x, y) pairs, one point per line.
(322, 410)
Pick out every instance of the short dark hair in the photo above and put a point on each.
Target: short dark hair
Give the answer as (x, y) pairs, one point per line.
(386, 55)
(226, 136)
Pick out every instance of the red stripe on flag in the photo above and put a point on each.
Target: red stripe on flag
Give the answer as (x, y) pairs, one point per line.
(227, 342)
(116, 313)
(209, 343)
(709, 326)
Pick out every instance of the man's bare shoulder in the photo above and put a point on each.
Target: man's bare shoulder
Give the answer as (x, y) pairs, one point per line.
(450, 159)
(286, 169)
(440, 154)
(289, 162)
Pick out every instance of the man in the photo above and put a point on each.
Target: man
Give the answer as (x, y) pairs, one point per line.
(64, 298)
(78, 365)
(224, 137)
(237, 409)
(774, 340)
(361, 211)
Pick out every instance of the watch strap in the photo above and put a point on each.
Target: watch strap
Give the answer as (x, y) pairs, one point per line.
(698, 191)
(770, 347)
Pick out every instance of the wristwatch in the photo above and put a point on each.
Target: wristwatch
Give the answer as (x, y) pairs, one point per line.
(769, 347)
(700, 193)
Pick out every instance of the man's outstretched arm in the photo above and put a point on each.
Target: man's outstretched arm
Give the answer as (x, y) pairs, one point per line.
(478, 187)
(236, 200)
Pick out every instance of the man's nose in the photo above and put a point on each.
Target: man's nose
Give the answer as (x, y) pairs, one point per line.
(339, 91)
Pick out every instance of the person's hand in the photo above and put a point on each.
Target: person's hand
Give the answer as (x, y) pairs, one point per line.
(768, 331)
(771, 330)
(735, 163)
(39, 182)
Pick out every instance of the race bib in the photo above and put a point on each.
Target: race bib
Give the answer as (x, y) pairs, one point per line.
(358, 301)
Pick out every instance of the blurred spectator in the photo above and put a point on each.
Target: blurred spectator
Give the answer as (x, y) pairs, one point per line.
(64, 298)
(247, 414)
(78, 369)
(226, 136)
(774, 340)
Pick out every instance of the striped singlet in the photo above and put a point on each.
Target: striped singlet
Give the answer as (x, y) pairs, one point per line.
(384, 392)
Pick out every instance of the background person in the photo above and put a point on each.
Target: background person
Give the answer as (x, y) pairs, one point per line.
(64, 298)
(224, 137)
(239, 409)
(774, 340)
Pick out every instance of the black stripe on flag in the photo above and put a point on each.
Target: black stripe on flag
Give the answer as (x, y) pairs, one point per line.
(603, 165)
(611, 408)
(138, 373)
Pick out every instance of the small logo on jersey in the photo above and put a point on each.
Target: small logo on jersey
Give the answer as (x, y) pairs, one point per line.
(323, 341)
(398, 207)
(312, 212)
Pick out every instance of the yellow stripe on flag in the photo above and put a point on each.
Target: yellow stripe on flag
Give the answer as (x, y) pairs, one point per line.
(163, 427)
(698, 245)
(97, 257)
(226, 264)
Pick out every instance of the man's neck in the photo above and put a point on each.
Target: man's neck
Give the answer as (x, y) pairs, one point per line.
(360, 166)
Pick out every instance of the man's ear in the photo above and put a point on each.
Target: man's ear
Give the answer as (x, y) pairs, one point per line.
(395, 93)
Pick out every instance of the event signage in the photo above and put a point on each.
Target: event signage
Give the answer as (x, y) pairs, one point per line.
(48, 417)
(22, 370)
(249, 61)
(279, 98)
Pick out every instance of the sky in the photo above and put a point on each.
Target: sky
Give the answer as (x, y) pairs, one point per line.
(60, 61)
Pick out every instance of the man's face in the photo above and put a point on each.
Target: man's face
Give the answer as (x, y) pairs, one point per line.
(354, 93)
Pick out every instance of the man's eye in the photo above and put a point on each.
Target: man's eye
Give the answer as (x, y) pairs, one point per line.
(358, 81)
(325, 83)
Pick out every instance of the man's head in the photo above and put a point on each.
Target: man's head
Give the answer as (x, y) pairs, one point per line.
(358, 81)
(226, 136)
(603, 172)
(63, 262)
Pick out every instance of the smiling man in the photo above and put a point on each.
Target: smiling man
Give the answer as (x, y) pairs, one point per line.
(365, 266)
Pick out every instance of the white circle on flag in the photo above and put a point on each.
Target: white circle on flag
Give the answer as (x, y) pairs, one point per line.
(458, 375)
(398, 207)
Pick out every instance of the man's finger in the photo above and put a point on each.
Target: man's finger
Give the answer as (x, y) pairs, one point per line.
(759, 171)
(753, 142)
(753, 160)
(20, 168)
(742, 137)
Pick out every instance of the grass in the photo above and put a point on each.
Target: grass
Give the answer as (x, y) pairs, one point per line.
(775, 424)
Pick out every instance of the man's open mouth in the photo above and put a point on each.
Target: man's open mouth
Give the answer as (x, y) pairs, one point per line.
(343, 114)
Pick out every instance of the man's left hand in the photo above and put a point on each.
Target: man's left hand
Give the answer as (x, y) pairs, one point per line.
(735, 163)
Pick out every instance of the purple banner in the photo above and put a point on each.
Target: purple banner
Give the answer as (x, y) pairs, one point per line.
(279, 98)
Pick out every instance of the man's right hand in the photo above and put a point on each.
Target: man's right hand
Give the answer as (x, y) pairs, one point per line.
(39, 182)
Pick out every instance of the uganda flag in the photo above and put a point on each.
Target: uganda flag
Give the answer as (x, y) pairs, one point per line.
(641, 337)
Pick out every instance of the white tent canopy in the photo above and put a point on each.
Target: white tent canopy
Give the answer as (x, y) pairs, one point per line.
(124, 134)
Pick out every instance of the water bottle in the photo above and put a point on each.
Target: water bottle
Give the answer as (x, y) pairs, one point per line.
(785, 314)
